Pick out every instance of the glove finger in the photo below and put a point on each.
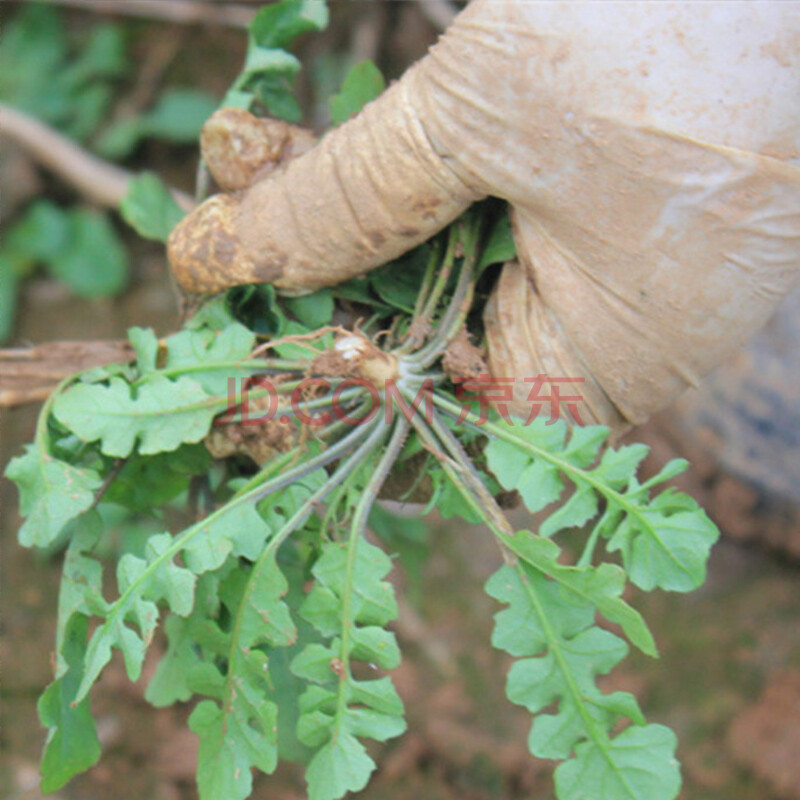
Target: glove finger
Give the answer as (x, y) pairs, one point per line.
(369, 191)
(239, 148)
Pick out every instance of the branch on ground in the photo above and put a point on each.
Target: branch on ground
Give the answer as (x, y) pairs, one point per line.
(98, 180)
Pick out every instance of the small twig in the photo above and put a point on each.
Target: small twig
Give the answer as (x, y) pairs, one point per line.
(30, 374)
(299, 339)
(100, 181)
(186, 12)
(108, 480)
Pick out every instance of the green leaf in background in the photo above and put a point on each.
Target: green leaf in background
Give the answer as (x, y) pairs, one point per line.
(150, 481)
(65, 80)
(51, 494)
(364, 82)
(94, 262)
(72, 744)
(500, 246)
(77, 246)
(312, 310)
(149, 208)
(269, 70)
(11, 273)
(278, 24)
(178, 116)
(40, 234)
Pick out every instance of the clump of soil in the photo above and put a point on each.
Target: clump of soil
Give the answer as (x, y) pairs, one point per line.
(462, 360)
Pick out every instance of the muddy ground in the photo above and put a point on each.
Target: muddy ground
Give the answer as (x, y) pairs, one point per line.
(728, 680)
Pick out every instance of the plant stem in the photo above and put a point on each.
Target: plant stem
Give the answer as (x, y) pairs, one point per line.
(459, 306)
(357, 529)
(427, 281)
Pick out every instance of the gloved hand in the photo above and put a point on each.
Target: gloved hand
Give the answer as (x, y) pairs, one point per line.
(649, 152)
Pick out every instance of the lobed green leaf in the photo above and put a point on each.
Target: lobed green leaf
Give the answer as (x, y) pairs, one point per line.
(349, 605)
(163, 415)
(550, 626)
(52, 493)
(664, 541)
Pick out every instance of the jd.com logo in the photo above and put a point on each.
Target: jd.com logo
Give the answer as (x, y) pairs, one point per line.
(257, 401)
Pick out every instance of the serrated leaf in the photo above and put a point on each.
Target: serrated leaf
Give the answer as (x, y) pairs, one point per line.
(664, 541)
(351, 599)
(518, 629)
(639, 764)
(229, 746)
(171, 681)
(81, 588)
(375, 645)
(142, 583)
(340, 766)
(601, 586)
(223, 353)
(663, 550)
(242, 530)
(242, 731)
(163, 415)
(363, 83)
(256, 624)
(566, 674)
(580, 508)
(550, 621)
(373, 601)
(51, 492)
(315, 661)
(145, 345)
(149, 208)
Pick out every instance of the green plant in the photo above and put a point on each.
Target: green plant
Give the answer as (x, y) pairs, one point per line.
(69, 81)
(280, 671)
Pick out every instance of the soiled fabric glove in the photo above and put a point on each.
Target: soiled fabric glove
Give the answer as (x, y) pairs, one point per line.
(649, 152)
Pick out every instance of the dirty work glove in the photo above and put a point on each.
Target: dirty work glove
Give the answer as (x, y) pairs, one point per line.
(649, 152)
